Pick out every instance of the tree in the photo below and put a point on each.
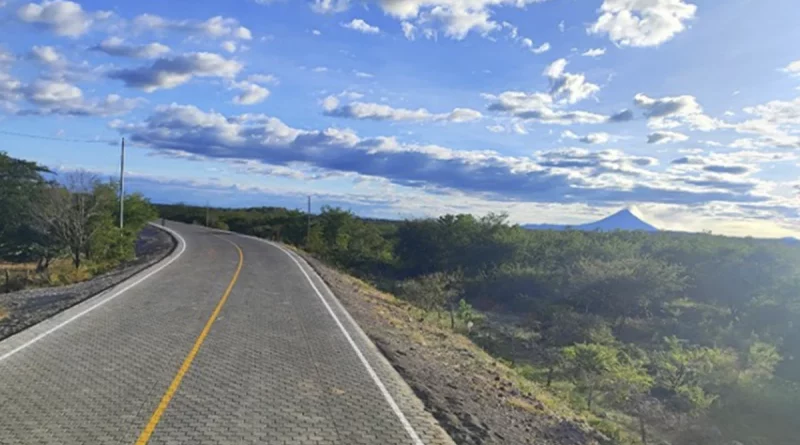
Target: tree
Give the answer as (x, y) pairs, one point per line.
(625, 287)
(72, 214)
(432, 292)
(690, 378)
(21, 183)
(590, 366)
(566, 328)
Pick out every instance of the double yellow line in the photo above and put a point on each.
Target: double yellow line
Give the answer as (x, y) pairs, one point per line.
(144, 437)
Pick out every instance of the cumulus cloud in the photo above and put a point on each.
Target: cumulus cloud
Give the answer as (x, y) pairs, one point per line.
(381, 112)
(666, 137)
(594, 52)
(775, 122)
(591, 138)
(47, 55)
(540, 107)
(673, 112)
(569, 176)
(454, 18)
(569, 88)
(409, 30)
(166, 73)
(229, 46)
(63, 18)
(329, 6)
(541, 49)
(251, 93)
(642, 22)
(58, 97)
(215, 27)
(361, 26)
(116, 46)
(793, 68)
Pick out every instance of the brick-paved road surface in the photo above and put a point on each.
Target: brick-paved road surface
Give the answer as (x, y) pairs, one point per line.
(275, 368)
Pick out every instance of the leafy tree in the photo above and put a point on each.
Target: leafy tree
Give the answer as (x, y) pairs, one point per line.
(591, 368)
(432, 292)
(21, 184)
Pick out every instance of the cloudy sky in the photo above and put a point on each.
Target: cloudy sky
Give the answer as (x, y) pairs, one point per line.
(549, 110)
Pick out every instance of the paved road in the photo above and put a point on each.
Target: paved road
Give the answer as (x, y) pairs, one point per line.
(233, 341)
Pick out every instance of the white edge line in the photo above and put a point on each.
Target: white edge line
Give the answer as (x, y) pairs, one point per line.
(105, 300)
(386, 395)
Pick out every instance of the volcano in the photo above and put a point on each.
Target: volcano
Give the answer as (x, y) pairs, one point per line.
(625, 219)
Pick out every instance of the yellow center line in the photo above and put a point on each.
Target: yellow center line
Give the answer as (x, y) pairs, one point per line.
(176, 382)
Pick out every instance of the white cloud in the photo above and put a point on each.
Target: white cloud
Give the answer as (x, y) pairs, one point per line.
(409, 30)
(569, 134)
(330, 6)
(591, 138)
(596, 138)
(380, 112)
(171, 72)
(58, 97)
(793, 68)
(251, 93)
(459, 115)
(569, 88)
(47, 55)
(64, 18)
(361, 26)
(263, 78)
(541, 49)
(229, 46)
(594, 52)
(673, 112)
(316, 32)
(666, 137)
(115, 46)
(528, 44)
(215, 27)
(642, 22)
(320, 69)
(330, 103)
(562, 26)
(539, 107)
(455, 18)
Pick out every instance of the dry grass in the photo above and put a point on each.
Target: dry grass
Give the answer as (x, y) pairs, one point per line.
(17, 266)
(4, 313)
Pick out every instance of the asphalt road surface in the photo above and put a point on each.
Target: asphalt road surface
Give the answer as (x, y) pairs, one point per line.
(230, 340)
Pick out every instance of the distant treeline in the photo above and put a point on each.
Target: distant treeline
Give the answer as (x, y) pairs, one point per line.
(690, 338)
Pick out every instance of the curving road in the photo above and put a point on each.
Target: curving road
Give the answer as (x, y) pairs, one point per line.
(230, 340)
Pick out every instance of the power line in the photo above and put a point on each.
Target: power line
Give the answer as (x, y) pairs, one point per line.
(54, 138)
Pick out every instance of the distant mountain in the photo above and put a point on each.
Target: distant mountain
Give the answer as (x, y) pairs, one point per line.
(791, 241)
(626, 219)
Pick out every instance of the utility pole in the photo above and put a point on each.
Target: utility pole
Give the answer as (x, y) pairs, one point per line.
(122, 186)
(308, 229)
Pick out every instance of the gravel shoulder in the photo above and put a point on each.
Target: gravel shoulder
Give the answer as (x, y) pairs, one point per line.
(475, 398)
(27, 307)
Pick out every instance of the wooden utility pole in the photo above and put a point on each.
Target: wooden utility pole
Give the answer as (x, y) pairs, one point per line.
(122, 186)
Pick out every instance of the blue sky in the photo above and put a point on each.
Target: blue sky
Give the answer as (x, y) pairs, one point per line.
(551, 111)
